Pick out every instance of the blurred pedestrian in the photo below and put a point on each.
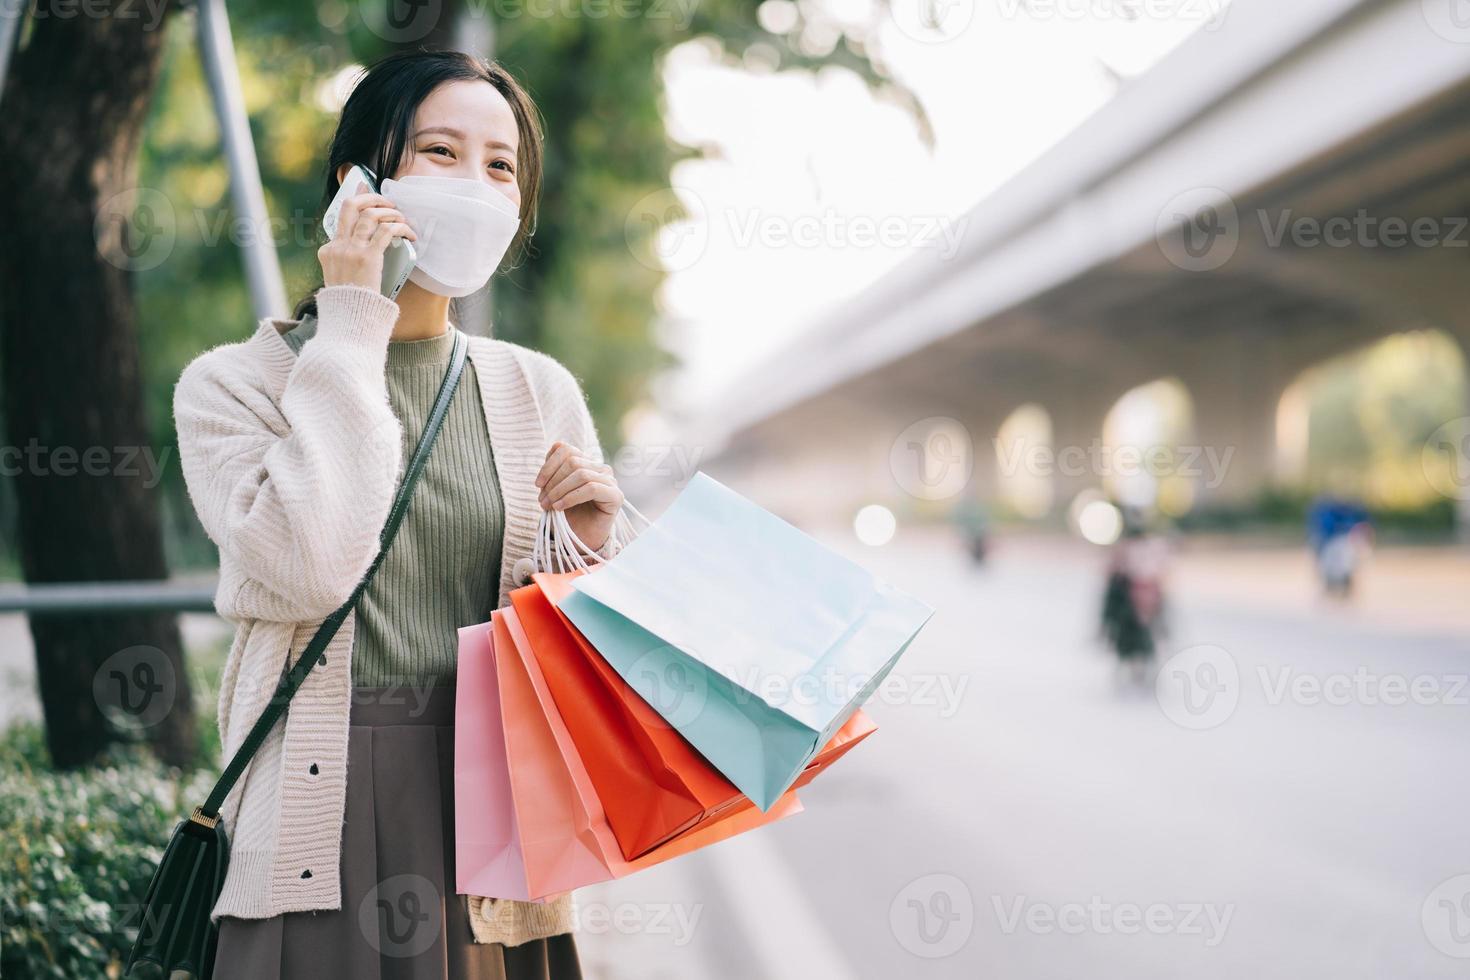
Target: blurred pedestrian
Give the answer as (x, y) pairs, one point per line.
(1133, 594)
(1340, 534)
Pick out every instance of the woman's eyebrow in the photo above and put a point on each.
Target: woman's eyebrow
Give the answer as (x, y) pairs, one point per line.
(456, 134)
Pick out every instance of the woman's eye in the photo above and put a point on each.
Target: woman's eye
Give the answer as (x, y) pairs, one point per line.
(441, 150)
(504, 165)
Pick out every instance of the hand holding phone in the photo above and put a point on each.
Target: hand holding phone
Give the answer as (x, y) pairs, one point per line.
(369, 240)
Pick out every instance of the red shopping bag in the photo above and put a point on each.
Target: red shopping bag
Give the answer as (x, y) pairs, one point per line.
(552, 781)
(652, 783)
(612, 725)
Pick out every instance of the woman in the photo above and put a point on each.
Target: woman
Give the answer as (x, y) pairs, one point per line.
(292, 443)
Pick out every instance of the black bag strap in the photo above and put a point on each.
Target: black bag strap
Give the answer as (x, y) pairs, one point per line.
(208, 814)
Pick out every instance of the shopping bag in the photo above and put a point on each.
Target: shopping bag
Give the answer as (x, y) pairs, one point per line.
(652, 784)
(487, 854)
(748, 636)
(521, 674)
(853, 731)
(559, 848)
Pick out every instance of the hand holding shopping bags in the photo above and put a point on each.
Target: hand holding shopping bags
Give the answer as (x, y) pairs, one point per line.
(674, 698)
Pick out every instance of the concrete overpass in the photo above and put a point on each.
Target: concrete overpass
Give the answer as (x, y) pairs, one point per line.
(1100, 267)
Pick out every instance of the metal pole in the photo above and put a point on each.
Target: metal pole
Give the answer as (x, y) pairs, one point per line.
(262, 268)
(474, 33)
(12, 12)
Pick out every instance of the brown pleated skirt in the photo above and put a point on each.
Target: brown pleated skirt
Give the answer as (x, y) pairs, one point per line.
(400, 918)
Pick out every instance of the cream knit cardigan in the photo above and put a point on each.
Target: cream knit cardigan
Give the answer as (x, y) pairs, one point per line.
(292, 463)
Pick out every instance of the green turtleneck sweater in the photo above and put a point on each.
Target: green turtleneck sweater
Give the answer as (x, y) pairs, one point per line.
(443, 569)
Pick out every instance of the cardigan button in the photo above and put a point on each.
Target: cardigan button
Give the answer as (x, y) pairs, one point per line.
(522, 571)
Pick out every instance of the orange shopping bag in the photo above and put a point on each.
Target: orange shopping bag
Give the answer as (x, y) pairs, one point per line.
(736, 820)
(595, 700)
(652, 783)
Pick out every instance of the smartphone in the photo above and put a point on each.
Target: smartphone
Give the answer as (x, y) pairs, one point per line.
(399, 257)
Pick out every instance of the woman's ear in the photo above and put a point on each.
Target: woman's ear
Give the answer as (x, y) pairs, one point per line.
(342, 173)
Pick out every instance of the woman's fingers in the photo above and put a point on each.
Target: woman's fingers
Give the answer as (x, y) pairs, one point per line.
(352, 210)
(555, 456)
(560, 490)
(606, 495)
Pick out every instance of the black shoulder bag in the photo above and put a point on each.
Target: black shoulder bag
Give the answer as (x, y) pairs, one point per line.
(175, 930)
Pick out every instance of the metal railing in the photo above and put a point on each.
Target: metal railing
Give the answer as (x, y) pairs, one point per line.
(71, 598)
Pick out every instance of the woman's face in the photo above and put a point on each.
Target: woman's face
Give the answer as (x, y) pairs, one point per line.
(465, 129)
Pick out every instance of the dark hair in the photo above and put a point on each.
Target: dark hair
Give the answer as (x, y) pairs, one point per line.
(377, 120)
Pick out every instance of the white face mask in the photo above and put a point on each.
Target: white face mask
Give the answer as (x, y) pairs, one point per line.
(464, 226)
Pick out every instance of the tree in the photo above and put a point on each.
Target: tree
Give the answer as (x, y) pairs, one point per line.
(73, 109)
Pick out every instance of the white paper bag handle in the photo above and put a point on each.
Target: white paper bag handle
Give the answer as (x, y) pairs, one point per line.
(559, 549)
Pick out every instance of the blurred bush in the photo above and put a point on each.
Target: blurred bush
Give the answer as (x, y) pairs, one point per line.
(78, 849)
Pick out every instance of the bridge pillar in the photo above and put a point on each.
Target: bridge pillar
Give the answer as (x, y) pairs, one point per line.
(1234, 449)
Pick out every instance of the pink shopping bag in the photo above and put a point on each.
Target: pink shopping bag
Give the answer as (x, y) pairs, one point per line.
(487, 855)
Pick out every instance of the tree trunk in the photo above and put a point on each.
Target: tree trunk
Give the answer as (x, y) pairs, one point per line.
(70, 119)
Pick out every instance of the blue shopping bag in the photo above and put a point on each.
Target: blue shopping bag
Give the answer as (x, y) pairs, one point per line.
(746, 635)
